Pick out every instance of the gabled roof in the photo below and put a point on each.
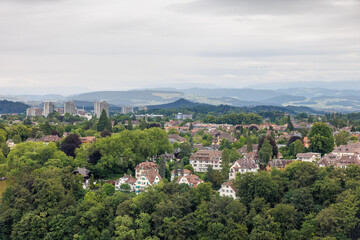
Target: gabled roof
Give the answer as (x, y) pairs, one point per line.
(82, 171)
(130, 179)
(185, 171)
(279, 163)
(230, 184)
(306, 155)
(151, 175)
(147, 165)
(192, 179)
(50, 138)
(349, 148)
(244, 163)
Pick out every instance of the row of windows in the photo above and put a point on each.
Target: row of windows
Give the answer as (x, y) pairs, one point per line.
(231, 191)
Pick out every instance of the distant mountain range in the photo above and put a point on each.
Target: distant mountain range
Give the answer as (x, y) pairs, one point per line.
(317, 98)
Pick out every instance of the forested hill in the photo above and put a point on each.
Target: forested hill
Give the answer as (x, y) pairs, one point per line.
(12, 107)
(181, 103)
(188, 106)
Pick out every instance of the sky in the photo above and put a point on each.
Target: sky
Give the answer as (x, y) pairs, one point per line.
(73, 46)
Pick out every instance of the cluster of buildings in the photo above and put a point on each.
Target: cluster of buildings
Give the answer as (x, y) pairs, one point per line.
(70, 108)
(147, 175)
(49, 107)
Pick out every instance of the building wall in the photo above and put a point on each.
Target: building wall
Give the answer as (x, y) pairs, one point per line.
(202, 165)
(69, 107)
(227, 191)
(143, 182)
(99, 107)
(49, 107)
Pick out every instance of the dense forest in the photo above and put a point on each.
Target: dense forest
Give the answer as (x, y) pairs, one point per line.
(12, 107)
(300, 202)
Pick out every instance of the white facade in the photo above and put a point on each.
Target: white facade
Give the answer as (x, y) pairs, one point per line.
(49, 107)
(191, 180)
(227, 190)
(127, 109)
(308, 157)
(181, 116)
(69, 107)
(143, 182)
(125, 180)
(99, 107)
(242, 166)
(33, 112)
(202, 159)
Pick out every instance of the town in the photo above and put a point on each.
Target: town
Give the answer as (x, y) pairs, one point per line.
(289, 163)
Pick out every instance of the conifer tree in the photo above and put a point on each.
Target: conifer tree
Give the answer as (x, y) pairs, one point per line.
(104, 122)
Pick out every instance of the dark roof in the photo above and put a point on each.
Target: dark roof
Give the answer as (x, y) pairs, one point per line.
(83, 171)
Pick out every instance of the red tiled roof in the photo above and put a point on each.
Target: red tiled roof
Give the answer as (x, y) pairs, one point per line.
(151, 175)
(147, 165)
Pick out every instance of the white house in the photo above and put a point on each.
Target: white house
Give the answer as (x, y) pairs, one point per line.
(202, 159)
(126, 179)
(191, 180)
(228, 190)
(147, 179)
(143, 167)
(308, 157)
(186, 172)
(242, 165)
(347, 150)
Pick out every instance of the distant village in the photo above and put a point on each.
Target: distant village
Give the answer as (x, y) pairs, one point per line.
(208, 142)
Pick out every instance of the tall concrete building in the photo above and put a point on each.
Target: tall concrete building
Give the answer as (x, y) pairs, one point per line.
(49, 107)
(99, 107)
(127, 109)
(31, 112)
(69, 107)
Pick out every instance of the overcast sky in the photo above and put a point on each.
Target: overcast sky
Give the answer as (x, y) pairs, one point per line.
(72, 46)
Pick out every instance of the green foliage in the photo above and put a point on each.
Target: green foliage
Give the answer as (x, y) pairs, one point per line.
(124, 150)
(108, 189)
(29, 156)
(342, 138)
(228, 156)
(104, 122)
(265, 152)
(321, 138)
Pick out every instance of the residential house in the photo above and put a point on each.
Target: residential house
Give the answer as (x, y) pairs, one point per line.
(86, 175)
(278, 163)
(308, 157)
(243, 149)
(242, 165)
(176, 138)
(50, 138)
(126, 179)
(228, 190)
(186, 172)
(202, 159)
(347, 150)
(147, 179)
(218, 136)
(143, 167)
(347, 160)
(191, 180)
(323, 162)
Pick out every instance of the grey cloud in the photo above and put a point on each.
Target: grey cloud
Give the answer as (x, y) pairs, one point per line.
(260, 7)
